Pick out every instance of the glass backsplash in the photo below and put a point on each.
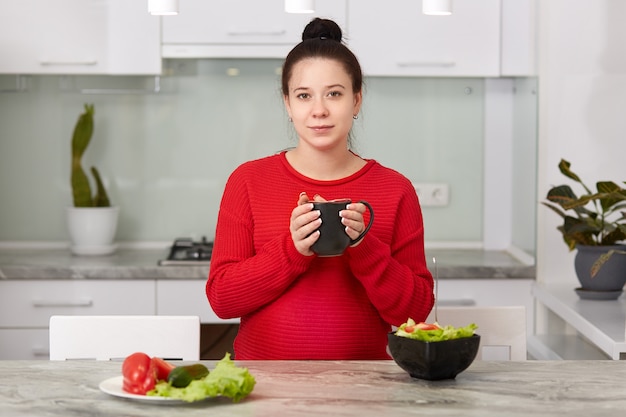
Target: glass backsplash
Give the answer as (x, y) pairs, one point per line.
(166, 155)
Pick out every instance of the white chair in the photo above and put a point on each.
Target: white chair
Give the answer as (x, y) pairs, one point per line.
(502, 330)
(115, 337)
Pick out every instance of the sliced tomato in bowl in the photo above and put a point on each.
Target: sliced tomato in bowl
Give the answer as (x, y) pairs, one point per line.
(421, 326)
(426, 326)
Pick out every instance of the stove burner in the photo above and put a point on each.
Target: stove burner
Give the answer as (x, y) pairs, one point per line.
(185, 251)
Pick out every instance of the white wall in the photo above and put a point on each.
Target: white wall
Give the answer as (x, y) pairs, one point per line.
(582, 110)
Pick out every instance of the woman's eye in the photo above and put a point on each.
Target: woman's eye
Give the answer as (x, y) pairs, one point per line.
(303, 96)
(335, 94)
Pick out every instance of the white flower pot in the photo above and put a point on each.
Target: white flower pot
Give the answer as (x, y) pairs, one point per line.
(92, 229)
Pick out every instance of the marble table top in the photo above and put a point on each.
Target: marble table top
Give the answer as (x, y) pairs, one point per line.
(142, 264)
(334, 389)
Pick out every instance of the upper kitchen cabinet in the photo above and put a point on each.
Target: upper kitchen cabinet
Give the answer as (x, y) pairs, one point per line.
(239, 28)
(519, 35)
(79, 37)
(396, 39)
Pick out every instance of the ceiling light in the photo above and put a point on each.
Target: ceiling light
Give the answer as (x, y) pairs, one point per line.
(300, 6)
(163, 7)
(437, 7)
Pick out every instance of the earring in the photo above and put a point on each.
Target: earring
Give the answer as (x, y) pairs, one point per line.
(356, 116)
(290, 120)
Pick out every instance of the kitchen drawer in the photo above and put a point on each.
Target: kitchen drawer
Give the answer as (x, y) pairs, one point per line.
(186, 297)
(24, 344)
(28, 304)
(488, 293)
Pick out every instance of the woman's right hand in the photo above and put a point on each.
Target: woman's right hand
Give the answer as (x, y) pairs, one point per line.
(304, 224)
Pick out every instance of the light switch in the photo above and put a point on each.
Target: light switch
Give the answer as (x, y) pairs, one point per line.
(431, 194)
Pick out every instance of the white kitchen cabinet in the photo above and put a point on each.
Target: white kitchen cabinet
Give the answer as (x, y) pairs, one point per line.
(24, 344)
(519, 35)
(239, 28)
(79, 37)
(489, 293)
(186, 297)
(27, 305)
(396, 39)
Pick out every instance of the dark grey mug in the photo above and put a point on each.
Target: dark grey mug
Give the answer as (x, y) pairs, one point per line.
(333, 238)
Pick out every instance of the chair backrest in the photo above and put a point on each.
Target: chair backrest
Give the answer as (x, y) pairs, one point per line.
(502, 330)
(115, 337)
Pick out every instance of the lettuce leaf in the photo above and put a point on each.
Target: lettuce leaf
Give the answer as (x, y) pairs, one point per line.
(226, 380)
(437, 335)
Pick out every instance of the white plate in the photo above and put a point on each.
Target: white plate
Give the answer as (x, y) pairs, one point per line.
(113, 386)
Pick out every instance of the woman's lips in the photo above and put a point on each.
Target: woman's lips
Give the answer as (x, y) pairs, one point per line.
(321, 129)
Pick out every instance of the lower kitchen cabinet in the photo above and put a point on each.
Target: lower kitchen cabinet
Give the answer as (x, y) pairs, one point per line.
(186, 297)
(24, 344)
(27, 305)
(489, 292)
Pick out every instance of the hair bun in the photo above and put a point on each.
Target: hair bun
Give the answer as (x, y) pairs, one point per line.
(322, 29)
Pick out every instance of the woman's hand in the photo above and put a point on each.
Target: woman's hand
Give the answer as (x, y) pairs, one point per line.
(304, 224)
(352, 218)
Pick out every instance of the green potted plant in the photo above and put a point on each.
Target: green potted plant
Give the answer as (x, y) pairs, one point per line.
(92, 221)
(594, 224)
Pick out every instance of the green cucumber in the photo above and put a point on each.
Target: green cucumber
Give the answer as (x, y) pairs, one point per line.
(181, 376)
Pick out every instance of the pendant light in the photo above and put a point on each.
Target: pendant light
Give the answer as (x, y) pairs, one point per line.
(300, 6)
(163, 7)
(437, 7)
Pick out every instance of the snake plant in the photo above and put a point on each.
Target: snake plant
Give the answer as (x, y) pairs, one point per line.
(81, 188)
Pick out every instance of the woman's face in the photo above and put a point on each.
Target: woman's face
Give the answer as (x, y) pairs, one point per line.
(321, 103)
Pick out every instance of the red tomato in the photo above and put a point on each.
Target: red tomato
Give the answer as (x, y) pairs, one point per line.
(161, 368)
(409, 329)
(138, 373)
(426, 326)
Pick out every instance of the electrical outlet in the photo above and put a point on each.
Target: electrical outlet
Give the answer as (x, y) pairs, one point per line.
(433, 195)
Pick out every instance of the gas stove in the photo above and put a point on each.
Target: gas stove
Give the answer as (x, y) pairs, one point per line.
(185, 251)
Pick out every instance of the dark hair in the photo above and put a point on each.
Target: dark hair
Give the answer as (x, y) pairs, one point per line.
(322, 38)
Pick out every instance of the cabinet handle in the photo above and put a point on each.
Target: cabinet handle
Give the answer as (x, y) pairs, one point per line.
(256, 32)
(50, 63)
(63, 303)
(41, 352)
(411, 64)
(452, 302)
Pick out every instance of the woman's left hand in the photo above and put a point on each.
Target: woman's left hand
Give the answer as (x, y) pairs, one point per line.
(352, 218)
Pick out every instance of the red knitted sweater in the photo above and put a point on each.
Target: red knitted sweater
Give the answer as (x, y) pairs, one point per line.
(307, 307)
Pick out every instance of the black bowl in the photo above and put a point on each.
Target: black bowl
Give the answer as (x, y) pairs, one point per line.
(433, 360)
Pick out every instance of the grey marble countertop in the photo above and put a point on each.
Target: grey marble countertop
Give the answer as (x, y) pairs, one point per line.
(334, 388)
(143, 264)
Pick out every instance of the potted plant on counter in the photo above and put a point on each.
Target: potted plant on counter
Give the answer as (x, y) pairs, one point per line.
(594, 225)
(92, 221)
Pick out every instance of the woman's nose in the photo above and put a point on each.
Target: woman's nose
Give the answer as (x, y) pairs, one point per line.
(319, 108)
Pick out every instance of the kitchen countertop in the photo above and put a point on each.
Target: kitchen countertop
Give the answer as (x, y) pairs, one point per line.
(334, 388)
(142, 264)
